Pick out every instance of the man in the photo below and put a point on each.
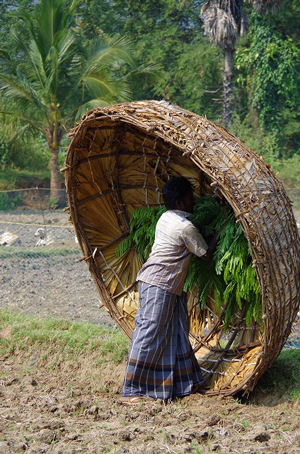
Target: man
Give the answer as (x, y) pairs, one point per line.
(161, 363)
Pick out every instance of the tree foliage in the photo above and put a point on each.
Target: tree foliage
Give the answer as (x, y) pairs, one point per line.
(165, 33)
(269, 70)
(53, 77)
(168, 33)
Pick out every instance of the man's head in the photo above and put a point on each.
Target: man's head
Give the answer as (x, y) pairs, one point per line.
(178, 194)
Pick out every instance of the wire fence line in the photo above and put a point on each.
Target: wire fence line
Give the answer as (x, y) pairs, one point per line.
(41, 271)
(40, 268)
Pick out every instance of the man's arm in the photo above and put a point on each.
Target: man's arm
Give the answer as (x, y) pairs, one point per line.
(211, 248)
(194, 241)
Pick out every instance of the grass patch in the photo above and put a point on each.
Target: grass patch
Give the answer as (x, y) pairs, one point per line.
(35, 252)
(283, 377)
(73, 339)
(61, 336)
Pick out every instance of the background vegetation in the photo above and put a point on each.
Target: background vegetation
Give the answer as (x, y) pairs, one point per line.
(162, 52)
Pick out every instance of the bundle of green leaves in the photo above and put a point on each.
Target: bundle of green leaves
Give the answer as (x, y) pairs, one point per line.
(141, 232)
(229, 277)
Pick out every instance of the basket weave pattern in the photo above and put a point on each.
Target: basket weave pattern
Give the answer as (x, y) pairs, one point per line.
(119, 159)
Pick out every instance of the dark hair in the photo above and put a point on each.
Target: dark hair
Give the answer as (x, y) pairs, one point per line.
(175, 190)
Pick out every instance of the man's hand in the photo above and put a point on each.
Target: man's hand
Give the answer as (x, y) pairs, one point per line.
(211, 248)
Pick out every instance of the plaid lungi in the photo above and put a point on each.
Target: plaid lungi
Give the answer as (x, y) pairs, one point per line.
(161, 362)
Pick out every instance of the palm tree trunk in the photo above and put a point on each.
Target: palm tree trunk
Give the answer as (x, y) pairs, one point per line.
(55, 185)
(54, 134)
(227, 87)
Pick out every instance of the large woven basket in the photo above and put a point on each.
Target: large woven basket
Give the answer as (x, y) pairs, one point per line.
(119, 159)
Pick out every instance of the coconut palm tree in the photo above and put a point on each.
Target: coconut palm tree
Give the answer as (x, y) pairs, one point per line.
(224, 22)
(54, 78)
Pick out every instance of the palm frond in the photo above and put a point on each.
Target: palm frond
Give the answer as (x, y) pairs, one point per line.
(20, 90)
(5, 58)
(108, 54)
(19, 41)
(13, 89)
(24, 120)
(89, 105)
(102, 85)
(65, 45)
(148, 73)
(52, 18)
(219, 25)
(37, 64)
(54, 70)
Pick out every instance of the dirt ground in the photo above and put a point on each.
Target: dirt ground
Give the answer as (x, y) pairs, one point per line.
(52, 405)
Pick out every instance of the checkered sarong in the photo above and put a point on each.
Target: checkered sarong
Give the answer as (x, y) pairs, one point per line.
(161, 362)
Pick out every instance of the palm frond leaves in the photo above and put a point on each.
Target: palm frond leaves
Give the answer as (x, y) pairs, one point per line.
(145, 73)
(103, 62)
(219, 25)
(54, 71)
(224, 22)
(53, 18)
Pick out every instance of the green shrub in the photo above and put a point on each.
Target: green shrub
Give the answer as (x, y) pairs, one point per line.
(266, 144)
(9, 202)
(20, 179)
